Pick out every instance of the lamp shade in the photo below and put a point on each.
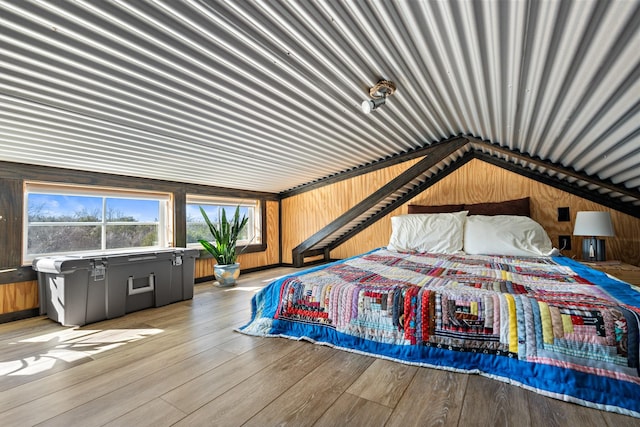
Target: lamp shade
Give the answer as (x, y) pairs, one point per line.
(593, 224)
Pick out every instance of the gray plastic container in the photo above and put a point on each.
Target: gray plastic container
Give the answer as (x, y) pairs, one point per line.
(184, 265)
(80, 289)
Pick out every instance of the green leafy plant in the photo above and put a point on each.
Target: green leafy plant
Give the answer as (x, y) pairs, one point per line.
(225, 235)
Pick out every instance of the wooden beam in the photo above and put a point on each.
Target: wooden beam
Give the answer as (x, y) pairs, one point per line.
(27, 172)
(18, 274)
(10, 222)
(180, 218)
(436, 155)
(606, 183)
(585, 193)
(405, 198)
(369, 167)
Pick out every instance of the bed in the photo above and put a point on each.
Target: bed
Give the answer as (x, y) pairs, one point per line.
(476, 294)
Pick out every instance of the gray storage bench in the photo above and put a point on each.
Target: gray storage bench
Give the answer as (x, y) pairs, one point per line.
(78, 289)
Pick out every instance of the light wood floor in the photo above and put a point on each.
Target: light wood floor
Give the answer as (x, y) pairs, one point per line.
(183, 365)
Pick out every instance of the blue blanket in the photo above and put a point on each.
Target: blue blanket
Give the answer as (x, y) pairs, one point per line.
(550, 325)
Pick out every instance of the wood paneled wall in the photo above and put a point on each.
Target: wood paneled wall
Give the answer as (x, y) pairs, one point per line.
(475, 182)
(18, 296)
(23, 295)
(204, 267)
(10, 222)
(306, 213)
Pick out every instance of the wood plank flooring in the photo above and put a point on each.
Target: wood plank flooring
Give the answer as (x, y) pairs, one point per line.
(183, 365)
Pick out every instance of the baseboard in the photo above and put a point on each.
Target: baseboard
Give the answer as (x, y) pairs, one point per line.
(264, 267)
(19, 315)
(311, 263)
(242, 271)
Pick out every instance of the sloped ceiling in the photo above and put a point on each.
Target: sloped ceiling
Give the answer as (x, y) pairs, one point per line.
(265, 95)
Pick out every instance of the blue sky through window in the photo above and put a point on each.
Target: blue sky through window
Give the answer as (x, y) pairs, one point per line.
(141, 210)
(194, 215)
(65, 206)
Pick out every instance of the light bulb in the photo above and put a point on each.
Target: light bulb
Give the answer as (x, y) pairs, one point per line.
(372, 104)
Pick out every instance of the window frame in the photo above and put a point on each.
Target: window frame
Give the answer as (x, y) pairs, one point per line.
(201, 199)
(164, 223)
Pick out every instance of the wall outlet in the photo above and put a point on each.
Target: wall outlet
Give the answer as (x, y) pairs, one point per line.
(564, 243)
(563, 214)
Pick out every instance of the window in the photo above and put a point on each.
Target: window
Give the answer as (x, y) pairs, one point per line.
(213, 206)
(63, 219)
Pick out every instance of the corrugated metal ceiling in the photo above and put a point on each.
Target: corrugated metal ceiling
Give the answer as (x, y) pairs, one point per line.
(266, 95)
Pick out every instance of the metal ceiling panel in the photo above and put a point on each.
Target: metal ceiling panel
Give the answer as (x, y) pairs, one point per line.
(265, 95)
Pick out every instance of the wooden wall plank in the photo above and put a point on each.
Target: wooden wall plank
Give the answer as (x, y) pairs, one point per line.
(10, 222)
(304, 214)
(475, 182)
(204, 267)
(18, 296)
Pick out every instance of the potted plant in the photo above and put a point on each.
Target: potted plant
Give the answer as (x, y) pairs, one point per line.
(223, 249)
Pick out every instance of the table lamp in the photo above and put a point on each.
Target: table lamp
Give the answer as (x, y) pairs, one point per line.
(593, 224)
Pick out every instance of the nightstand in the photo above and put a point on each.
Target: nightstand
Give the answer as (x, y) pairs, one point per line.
(626, 272)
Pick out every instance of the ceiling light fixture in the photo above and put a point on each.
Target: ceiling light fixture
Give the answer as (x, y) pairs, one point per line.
(379, 93)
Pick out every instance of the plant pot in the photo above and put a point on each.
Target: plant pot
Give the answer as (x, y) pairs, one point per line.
(226, 274)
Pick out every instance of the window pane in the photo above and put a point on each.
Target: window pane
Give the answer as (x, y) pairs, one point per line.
(60, 208)
(70, 219)
(131, 235)
(132, 210)
(197, 228)
(246, 233)
(63, 238)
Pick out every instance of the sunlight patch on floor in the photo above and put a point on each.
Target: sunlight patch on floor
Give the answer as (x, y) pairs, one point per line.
(271, 279)
(26, 366)
(245, 289)
(62, 335)
(119, 335)
(70, 345)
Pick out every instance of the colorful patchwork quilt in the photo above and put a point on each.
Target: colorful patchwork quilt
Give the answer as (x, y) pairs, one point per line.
(550, 325)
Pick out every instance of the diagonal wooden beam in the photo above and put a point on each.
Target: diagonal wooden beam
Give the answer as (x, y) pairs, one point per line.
(370, 167)
(438, 153)
(606, 183)
(585, 193)
(404, 199)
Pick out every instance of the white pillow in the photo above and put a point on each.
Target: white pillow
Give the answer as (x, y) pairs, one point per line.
(506, 235)
(438, 233)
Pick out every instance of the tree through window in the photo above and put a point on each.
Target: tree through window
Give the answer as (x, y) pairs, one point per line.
(62, 219)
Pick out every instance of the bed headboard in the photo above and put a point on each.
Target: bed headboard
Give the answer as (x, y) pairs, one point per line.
(519, 207)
